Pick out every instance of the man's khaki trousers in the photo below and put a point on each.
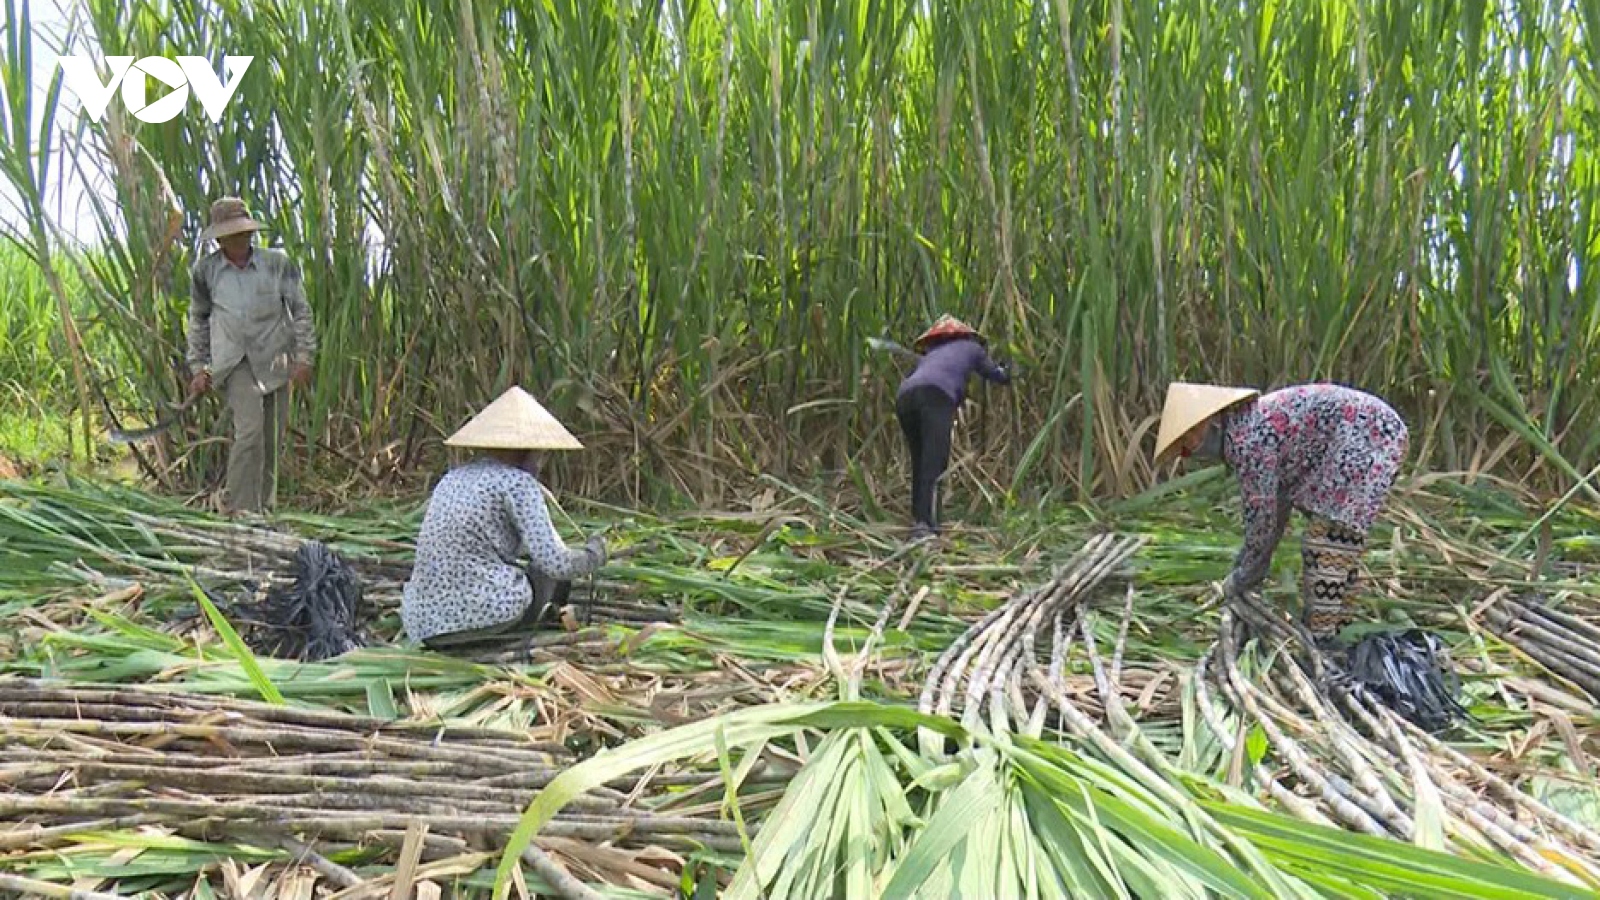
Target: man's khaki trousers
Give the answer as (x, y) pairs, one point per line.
(259, 422)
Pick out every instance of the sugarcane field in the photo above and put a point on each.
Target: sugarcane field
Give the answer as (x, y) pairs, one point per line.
(799, 449)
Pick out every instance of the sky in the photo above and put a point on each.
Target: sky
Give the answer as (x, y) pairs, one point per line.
(67, 200)
(67, 196)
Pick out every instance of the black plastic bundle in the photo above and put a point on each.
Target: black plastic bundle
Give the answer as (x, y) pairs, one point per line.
(312, 618)
(1410, 672)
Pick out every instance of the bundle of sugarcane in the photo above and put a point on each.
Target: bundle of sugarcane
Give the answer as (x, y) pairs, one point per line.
(1345, 757)
(80, 760)
(987, 669)
(1563, 642)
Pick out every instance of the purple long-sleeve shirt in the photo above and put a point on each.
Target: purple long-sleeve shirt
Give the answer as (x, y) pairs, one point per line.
(948, 365)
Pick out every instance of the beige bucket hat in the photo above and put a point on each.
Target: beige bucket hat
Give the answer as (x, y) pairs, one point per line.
(1189, 405)
(229, 216)
(516, 421)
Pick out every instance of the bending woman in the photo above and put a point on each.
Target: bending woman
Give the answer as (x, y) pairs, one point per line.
(467, 584)
(926, 405)
(1329, 451)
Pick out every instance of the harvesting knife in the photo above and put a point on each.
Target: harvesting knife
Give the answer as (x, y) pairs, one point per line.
(876, 343)
(119, 436)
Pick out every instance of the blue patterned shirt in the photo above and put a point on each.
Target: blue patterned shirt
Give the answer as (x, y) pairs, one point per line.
(481, 517)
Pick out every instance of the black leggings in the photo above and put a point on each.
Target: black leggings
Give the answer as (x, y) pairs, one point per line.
(927, 416)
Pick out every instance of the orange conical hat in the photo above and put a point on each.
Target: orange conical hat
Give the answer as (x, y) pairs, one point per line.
(947, 326)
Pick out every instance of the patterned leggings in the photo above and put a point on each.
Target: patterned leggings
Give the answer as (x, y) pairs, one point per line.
(1330, 567)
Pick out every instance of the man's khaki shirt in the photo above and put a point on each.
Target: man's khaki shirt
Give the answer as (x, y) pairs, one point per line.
(257, 312)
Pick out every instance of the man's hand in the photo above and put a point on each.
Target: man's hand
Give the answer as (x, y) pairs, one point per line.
(300, 375)
(200, 383)
(597, 549)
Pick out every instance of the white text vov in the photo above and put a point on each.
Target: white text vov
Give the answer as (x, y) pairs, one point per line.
(185, 74)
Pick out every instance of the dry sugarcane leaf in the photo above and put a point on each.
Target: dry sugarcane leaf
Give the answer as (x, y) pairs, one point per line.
(910, 614)
(642, 784)
(566, 675)
(297, 884)
(131, 593)
(455, 866)
(669, 709)
(1147, 697)
(246, 884)
(1569, 737)
(634, 641)
(231, 886)
(661, 858)
(1530, 741)
(519, 882)
(45, 623)
(424, 707)
(428, 890)
(410, 854)
(1236, 760)
(487, 714)
(589, 862)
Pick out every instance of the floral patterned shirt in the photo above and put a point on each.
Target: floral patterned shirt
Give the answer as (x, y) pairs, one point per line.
(1323, 449)
(480, 518)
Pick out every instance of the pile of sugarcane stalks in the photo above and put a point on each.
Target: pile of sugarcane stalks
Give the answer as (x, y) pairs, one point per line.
(987, 672)
(1335, 755)
(233, 551)
(83, 759)
(1563, 643)
(1339, 756)
(236, 553)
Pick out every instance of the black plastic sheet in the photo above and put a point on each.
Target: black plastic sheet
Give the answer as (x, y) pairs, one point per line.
(316, 616)
(1410, 673)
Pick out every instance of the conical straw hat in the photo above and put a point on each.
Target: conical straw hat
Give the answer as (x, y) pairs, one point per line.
(516, 421)
(947, 326)
(1189, 405)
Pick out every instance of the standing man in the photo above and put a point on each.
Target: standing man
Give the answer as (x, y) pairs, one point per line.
(250, 332)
